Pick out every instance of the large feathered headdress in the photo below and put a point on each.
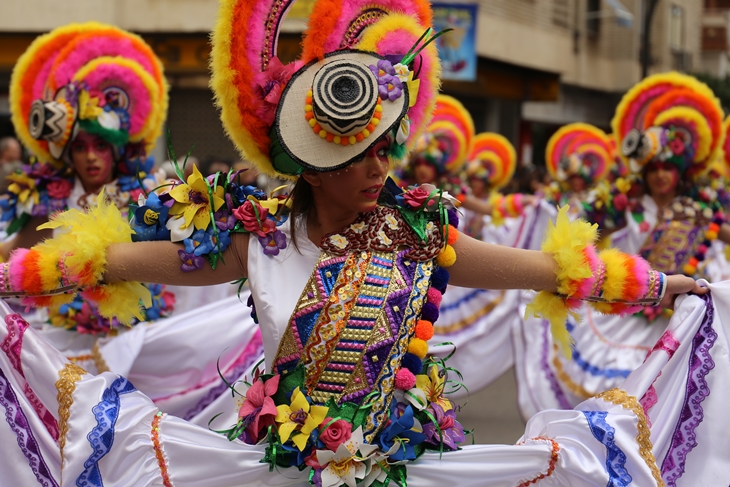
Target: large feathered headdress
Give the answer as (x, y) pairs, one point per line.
(366, 70)
(669, 117)
(88, 76)
(493, 159)
(579, 149)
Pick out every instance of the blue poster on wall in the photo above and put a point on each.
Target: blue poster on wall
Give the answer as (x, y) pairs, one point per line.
(457, 49)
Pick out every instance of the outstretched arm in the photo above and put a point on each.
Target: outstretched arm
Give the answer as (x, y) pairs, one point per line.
(487, 266)
(159, 262)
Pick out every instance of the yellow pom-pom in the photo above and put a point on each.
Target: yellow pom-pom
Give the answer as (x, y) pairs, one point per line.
(337, 139)
(378, 108)
(375, 122)
(352, 140)
(307, 108)
(365, 133)
(711, 235)
(418, 347)
(689, 269)
(312, 122)
(446, 257)
(323, 133)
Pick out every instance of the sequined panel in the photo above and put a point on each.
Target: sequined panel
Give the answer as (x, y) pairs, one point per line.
(314, 297)
(365, 341)
(367, 17)
(403, 309)
(671, 244)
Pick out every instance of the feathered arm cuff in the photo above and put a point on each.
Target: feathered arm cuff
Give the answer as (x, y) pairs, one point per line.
(611, 281)
(52, 272)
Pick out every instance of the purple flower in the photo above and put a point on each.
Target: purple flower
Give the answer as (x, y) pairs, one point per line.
(273, 242)
(389, 85)
(452, 432)
(191, 262)
(224, 220)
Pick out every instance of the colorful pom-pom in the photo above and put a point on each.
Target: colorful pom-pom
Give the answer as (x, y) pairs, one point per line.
(440, 279)
(418, 347)
(689, 270)
(711, 235)
(434, 296)
(412, 363)
(405, 380)
(424, 330)
(447, 257)
(452, 234)
(430, 312)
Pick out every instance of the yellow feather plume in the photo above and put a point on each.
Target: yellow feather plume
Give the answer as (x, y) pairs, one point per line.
(616, 274)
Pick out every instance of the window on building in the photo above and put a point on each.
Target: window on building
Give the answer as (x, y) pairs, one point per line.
(561, 13)
(676, 28)
(593, 17)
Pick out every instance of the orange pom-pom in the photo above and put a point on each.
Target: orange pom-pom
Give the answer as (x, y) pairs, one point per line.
(317, 127)
(461, 198)
(330, 137)
(371, 128)
(693, 262)
(360, 137)
(424, 330)
(453, 234)
(714, 227)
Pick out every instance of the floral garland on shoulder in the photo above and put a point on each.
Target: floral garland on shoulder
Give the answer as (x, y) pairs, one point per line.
(202, 213)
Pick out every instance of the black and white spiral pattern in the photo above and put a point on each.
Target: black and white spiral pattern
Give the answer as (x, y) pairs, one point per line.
(344, 97)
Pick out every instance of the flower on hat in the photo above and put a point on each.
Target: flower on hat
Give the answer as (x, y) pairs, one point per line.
(271, 84)
(389, 85)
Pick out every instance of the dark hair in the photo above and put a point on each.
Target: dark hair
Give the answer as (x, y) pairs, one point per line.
(684, 183)
(302, 204)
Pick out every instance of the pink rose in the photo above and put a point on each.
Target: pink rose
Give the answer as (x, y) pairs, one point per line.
(416, 197)
(677, 146)
(336, 433)
(134, 194)
(246, 214)
(644, 226)
(620, 202)
(59, 189)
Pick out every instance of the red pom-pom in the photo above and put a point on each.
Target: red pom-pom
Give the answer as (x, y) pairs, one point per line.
(424, 330)
(434, 296)
(405, 380)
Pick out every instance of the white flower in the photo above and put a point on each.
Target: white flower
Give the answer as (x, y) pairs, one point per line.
(338, 241)
(404, 131)
(109, 120)
(384, 238)
(358, 227)
(345, 465)
(392, 222)
(177, 233)
(402, 71)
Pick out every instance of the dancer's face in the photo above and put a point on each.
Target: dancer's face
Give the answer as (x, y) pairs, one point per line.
(355, 188)
(662, 178)
(423, 172)
(576, 183)
(93, 161)
(478, 187)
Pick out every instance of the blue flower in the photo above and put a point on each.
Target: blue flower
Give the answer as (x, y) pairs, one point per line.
(200, 243)
(401, 430)
(129, 169)
(7, 207)
(243, 192)
(150, 220)
(223, 240)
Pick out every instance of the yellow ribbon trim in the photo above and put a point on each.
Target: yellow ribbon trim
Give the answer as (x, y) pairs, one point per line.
(98, 358)
(643, 437)
(66, 385)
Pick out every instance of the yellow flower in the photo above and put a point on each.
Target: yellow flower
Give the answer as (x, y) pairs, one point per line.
(299, 416)
(192, 201)
(433, 385)
(89, 108)
(23, 186)
(623, 185)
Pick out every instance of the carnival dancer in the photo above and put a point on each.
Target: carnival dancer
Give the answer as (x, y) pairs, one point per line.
(90, 101)
(669, 127)
(339, 302)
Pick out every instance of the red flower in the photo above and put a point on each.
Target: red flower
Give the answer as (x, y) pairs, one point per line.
(259, 407)
(336, 433)
(677, 146)
(644, 226)
(620, 202)
(271, 84)
(59, 189)
(416, 197)
(246, 214)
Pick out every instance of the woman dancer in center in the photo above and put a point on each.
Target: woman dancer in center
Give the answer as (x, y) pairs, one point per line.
(347, 396)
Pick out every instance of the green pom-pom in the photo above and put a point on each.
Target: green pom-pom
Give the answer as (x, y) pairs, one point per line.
(118, 138)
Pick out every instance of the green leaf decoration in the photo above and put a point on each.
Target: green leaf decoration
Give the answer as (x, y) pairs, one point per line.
(18, 223)
(288, 382)
(416, 220)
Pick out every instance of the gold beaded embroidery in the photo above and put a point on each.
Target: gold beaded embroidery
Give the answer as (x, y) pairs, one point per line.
(643, 437)
(66, 385)
(101, 365)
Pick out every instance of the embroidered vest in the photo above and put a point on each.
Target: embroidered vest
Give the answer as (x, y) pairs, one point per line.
(357, 314)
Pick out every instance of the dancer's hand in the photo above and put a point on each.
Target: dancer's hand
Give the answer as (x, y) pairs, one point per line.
(679, 284)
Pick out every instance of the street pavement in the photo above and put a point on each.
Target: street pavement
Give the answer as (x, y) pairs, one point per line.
(493, 413)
